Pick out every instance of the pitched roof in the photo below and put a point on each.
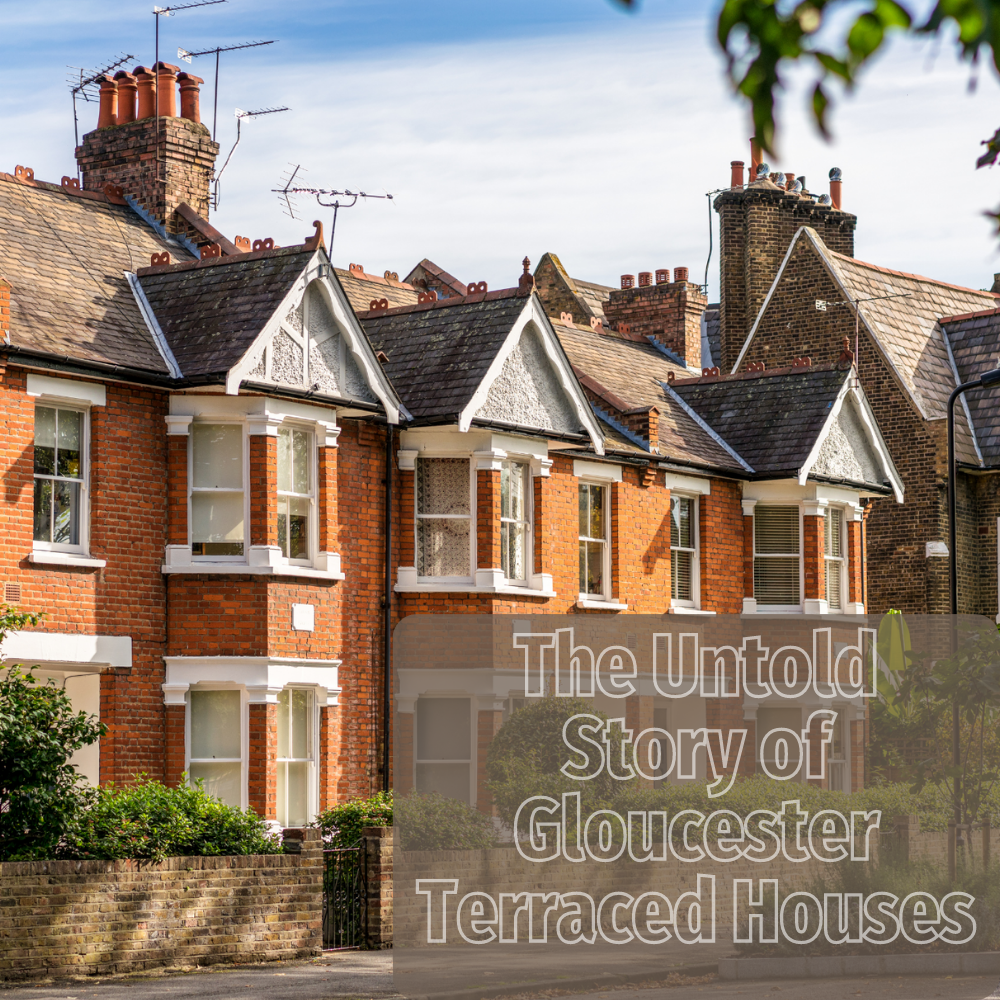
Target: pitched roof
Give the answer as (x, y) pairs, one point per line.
(634, 371)
(361, 288)
(446, 279)
(558, 291)
(593, 295)
(439, 352)
(773, 419)
(211, 311)
(975, 346)
(65, 255)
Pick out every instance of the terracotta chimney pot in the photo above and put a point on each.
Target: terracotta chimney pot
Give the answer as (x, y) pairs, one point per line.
(835, 193)
(645, 278)
(663, 276)
(146, 107)
(680, 274)
(108, 114)
(756, 158)
(166, 92)
(190, 107)
(736, 180)
(126, 96)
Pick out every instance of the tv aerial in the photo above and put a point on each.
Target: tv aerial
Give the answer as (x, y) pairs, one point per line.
(83, 83)
(240, 117)
(290, 190)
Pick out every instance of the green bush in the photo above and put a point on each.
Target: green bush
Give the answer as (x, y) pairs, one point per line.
(342, 825)
(149, 822)
(436, 823)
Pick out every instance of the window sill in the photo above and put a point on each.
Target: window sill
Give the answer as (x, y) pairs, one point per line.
(596, 604)
(243, 569)
(688, 611)
(47, 558)
(429, 587)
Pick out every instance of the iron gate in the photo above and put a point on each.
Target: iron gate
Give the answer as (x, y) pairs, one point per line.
(345, 897)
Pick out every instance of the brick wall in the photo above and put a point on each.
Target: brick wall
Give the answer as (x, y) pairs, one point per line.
(104, 917)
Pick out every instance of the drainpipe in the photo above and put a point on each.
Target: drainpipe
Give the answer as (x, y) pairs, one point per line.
(387, 610)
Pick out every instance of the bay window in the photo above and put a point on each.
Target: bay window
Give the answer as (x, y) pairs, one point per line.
(683, 551)
(296, 756)
(295, 493)
(777, 560)
(59, 478)
(444, 747)
(833, 545)
(217, 490)
(216, 743)
(594, 555)
(515, 525)
(444, 518)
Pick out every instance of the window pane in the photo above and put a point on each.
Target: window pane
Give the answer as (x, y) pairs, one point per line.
(597, 511)
(218, 456)
(224, 781)
(832, 531)
(443, 729)
(776, 529)
(513, 481)
(45, 440)
(776, 580)
(283, 724)
(66, 513)
(217, 517)
(595, 568)
(443, 547)
(293, 788)
(301, 711)
(301, 461)
(443, 486)
(680, 575)
(584, 509)
(512, 542)
(680, 522)
(43, 509)
(833, 588)
(505, 471)
(70, 426)
(215, 724)
(284, 459)
(293, 527)
(451, 780)
(583, 567)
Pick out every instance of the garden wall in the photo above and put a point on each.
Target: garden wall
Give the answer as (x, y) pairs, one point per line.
(102, 917)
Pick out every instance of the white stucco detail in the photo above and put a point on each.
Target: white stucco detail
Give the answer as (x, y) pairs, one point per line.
(286, 367)
(847, 453)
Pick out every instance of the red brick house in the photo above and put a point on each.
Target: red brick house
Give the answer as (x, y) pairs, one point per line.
(230, 468)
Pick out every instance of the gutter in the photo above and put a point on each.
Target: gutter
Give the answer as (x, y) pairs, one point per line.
(91, 369)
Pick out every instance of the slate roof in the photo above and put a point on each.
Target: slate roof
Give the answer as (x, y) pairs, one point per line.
(439, 352)
(65, 256)
(975, 346)
(212, 311)
(361, 288)
(771, 420)
(592, 295)
(449, 280)
(634, 372)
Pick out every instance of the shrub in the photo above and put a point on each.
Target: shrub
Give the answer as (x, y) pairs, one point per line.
(434, 823)
(149, 822)
(342, 825)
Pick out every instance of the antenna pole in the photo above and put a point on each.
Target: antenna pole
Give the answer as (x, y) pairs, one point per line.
(215, 103)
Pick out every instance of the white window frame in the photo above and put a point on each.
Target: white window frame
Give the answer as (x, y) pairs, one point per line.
(471, 517)
(777, 608)
(191, 489)
(695, 601)
(606, 487)
(472, 760)
(313, 798)
(244, 736)
(312, 540)
(83, 546)
(844, 762)
(528, 521)
(841, 559)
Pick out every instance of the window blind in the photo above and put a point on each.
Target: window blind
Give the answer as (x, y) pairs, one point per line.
(776, 556)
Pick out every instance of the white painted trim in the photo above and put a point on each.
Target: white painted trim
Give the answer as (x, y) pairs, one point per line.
(407, 582)
(703, 424)
(236, 568)
(59, 389)
(590, 603)
(68, 647)
(748, 506)
(217, 407)
(603, 471)
(687, 484)
(50, 557)
(178, 425)
(153, 325)
(679, 609)
(407, 459)
(533, 313)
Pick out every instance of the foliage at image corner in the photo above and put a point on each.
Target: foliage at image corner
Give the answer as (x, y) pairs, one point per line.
(47, 810)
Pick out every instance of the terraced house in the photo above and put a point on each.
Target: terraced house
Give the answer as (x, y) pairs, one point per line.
(230, 468)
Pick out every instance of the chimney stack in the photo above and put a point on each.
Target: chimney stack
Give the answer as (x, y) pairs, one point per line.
(108, 113)
(126, 96)
(669, 312)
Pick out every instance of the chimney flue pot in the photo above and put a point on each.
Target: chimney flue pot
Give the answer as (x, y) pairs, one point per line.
(736, 180)
(680, 274)
(756, 158)
(835, 182)
(146, 102)
(663, 275)
(108, 114)
(126, 96)
(166, 90)
(645, 278)
(190, 90)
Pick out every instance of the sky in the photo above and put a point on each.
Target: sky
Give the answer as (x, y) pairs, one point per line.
(505, 129)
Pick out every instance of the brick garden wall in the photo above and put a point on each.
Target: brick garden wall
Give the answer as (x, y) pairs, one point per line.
(104, 917)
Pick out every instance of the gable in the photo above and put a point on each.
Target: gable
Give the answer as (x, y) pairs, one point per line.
(527, 391)
(847, 452)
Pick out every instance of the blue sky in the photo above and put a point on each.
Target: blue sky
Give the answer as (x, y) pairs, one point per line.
(505, 129)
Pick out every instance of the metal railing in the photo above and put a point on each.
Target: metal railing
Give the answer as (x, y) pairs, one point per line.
(345, 898)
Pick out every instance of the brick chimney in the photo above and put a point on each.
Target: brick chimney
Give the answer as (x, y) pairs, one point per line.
(122, 149)
(756, 225)
(668, 311)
